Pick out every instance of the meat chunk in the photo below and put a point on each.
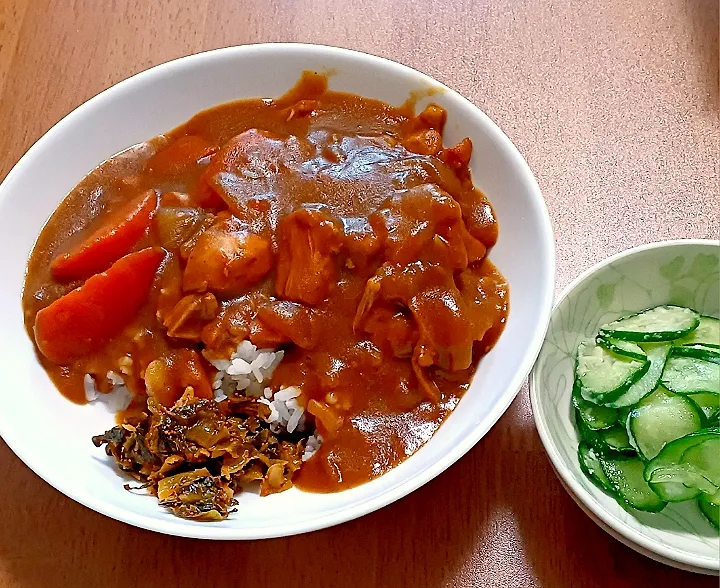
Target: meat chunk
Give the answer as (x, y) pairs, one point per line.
(424, 142)
(433, 116)
(249, 171)
(391, 330)
(360, 242)
(227, 259)
(291, 321)
(167, 378)
(175, 226)
(263, 336)
(458, 157)
(222, 336)
(425, 223)
(479, 217)
(438, 308)
(308, 241)
(486, 293)
(445, 336)
(190, 315)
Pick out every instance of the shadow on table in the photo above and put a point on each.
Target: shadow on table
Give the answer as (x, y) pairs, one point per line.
(497, 518)
(566, 548)
(48, 540)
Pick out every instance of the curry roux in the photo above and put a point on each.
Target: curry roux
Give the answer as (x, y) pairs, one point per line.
(368, 265)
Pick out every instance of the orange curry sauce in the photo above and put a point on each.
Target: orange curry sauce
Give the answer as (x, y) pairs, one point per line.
(333, 226)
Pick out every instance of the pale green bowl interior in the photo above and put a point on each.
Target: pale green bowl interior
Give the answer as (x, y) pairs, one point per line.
(684, 273)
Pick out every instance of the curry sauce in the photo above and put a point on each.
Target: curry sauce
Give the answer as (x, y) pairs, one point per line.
(336, 227)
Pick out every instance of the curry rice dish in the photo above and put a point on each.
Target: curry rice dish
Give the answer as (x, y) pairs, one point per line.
(292, 292)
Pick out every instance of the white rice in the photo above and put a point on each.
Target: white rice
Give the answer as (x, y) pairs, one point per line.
(117, 399)
(246, 372)
(313, 444)
(285, 412)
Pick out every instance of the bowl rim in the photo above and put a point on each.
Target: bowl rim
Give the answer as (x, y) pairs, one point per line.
(373, 502)
(577, 491)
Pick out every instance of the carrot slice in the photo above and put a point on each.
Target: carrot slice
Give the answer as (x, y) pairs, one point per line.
(120, 231)
(85, 319)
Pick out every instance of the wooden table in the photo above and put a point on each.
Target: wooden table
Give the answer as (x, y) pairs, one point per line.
(615, 106)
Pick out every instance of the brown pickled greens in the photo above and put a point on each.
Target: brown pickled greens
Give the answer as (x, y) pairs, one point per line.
(195, 455)
(332, 226)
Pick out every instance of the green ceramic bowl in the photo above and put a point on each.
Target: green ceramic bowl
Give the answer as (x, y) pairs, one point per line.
(685, 273)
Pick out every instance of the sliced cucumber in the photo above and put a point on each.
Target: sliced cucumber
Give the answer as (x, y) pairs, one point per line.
(662, 323)
(678, 483)
(711, 512)
(626, 479)
(707, 332)
(644, 389)
(595, 416)
(589, 436)
(657, 354)
(714, 498)
(623, 414)
(684, 375)
(616, 439)
(673, 481)
(708, 403)
(620, 347)
(698, 351)
(590, 465)
(604, 376)
(703, 457)
(696, 475)
(661, 418)
(607, 441)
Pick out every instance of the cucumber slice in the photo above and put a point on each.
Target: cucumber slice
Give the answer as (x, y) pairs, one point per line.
(662, 323)
(709, 404)
(703, 457)
(616, 439)
(714, 498)
(684, 375)
(606, 441)
(595, 416)
(604, 376)
(678, 483)
(707, 332)
(626, 479)
(657, 354)
(589, 436)
(673, 481)
(590, 465)
(620, 347)
(699, 351)
(623, 414)
(661, 418)
(711, 512)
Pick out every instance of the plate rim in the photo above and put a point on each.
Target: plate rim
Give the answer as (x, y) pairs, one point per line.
(394, 493)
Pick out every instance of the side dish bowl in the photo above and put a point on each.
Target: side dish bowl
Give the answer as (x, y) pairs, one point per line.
(685, 273)
(162, 98)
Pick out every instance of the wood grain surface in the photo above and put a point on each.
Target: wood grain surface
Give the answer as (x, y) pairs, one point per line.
(614, 103)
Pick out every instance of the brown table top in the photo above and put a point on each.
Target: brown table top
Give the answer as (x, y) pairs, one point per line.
(615, 106)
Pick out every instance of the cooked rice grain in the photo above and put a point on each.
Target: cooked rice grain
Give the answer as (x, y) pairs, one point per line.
(246, 372)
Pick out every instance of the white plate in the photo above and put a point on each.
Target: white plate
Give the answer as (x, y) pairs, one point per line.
(686, 273)
(52, 436)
